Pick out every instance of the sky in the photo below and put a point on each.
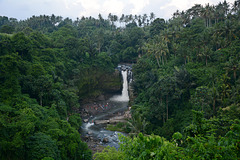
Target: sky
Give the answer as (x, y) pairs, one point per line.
(23, 9)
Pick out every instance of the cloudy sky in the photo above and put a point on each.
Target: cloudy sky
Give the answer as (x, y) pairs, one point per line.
(23, 9)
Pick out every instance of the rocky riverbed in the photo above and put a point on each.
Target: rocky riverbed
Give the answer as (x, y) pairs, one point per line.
(98, 114)
(95, 118)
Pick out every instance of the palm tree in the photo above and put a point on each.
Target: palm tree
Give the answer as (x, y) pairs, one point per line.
(167, 85)
(115, 18)
(121, 19)
(226, 7)
(186, 18)
(130, 18)
(137, 124)
(144, 18)
(162, 50)
(109, 16)
(140, 20)
(236, 7)
(220, 11)
(207, 14)
(205, 53)
(233, 65)
(175, 47)
(225, 88)
(195, 11)
(152, 16)
(214, 96)
(151, 48)
(101, 20)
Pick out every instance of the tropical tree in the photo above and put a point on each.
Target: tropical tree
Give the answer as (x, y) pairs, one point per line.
(137, 124)
(233, 65)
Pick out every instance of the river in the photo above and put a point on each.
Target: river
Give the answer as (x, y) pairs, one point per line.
(119, 104)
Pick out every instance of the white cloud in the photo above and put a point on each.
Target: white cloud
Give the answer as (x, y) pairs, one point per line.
(181, 5)
(138, 5)
(76, 8)
(85, 7)
(113, 6)
(90, 4)
(186, 4)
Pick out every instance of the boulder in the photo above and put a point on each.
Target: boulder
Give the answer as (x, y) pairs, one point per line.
(105, 140)
(101, 98)
(86, 137)
(85, 120)
(89, 133)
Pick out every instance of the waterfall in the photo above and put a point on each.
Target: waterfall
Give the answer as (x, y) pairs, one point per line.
(118, 104)
(124, 97)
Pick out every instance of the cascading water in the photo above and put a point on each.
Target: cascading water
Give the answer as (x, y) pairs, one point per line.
(124, 97)
(121, 103)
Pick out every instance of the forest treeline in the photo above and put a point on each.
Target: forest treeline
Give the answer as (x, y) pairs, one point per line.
(186, 83)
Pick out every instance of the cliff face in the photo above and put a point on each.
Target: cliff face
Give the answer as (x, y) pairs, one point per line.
(112, 83)
(104, 85)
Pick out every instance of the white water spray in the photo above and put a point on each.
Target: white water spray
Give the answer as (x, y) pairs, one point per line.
(88, 125)
(124, 97)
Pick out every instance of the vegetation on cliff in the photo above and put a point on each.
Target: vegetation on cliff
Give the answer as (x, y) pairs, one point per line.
(186, 83)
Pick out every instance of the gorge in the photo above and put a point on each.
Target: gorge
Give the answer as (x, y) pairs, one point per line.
(108, 111)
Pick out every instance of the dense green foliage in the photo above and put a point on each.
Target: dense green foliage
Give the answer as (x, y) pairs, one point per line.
(186, 83)
(189, 65)
(45, 72)
(187, 87)
(198, 142)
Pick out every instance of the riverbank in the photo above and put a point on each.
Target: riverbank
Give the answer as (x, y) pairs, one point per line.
(96, 115)
(99, 115)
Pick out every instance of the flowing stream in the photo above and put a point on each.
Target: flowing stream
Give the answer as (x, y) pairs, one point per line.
(120, 103)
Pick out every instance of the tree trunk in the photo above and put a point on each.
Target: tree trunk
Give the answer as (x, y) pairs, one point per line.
(235, 75)
(214, 104)
(157, 61)
(163, 116)
(40, 99)
(167, 105)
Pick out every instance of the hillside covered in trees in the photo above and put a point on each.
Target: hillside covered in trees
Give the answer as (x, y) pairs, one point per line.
(186, 83)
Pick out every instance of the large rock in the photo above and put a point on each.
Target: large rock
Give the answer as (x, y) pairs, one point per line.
(105, 140)
(101, 98)
(89, 133)
(101, 121)
(85, 120)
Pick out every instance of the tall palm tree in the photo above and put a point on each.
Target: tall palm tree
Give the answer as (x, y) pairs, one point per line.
(226, 7)
(207, 14)
(233, 65)
(176, 14)
(109, 16)
(126, 19)
(195, 11)
(152, 49)
(152, 16)
(144, 18)
(131, 18)
(121, 19)
(162, 47)
(205, 53)
(236, 7)
(175, 47)
(140, 20)
(115, 18)
(137, 124)
(185, 17)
